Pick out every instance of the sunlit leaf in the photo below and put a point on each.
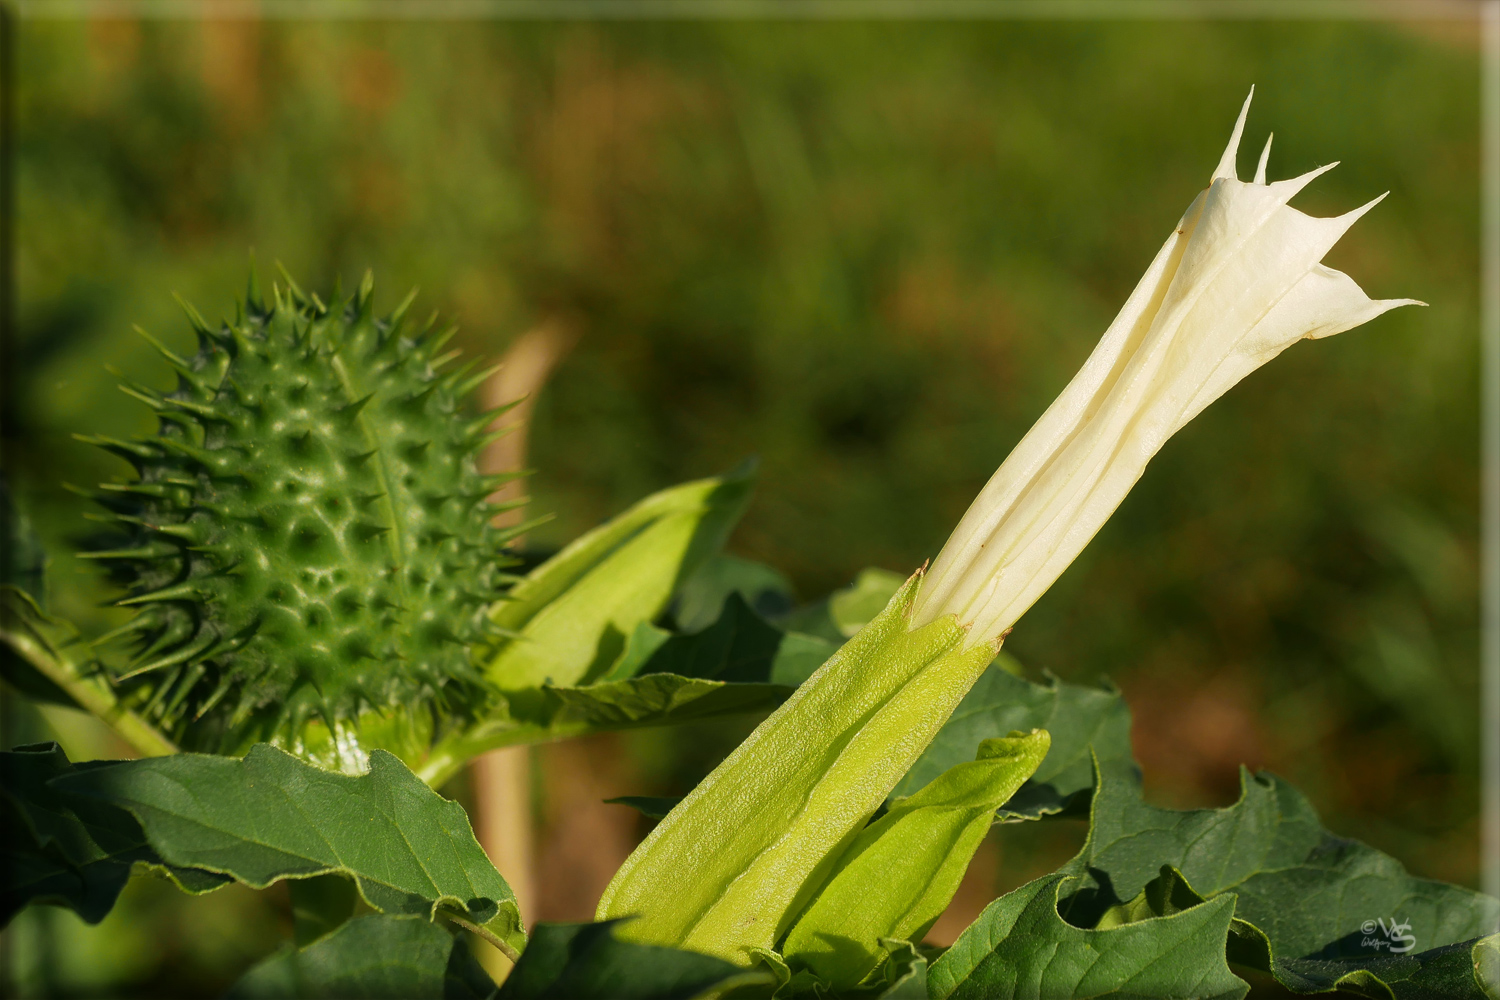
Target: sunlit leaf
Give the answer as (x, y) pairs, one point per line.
(271, 816)
(569, 619)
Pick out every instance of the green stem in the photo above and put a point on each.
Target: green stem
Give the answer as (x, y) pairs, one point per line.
(91, 694)
(489, 936)
(452, 752)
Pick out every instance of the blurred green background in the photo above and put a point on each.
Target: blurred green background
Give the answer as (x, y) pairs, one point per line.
(871, 254)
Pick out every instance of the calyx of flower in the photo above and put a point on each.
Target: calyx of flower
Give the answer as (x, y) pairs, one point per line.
(1237, 282)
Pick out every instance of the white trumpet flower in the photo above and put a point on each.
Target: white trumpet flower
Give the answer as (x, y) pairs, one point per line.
(1236, 284)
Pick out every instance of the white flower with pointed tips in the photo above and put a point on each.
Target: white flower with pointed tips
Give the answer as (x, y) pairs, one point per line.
(1236, 284)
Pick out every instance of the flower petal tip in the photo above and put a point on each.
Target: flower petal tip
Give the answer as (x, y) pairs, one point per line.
(1226, 166)
(1286, 190)
(1355, 214)
(1265, 157)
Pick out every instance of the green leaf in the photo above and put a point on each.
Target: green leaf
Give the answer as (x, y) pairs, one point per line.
(1077, 717)
(42, 875)
(373, 957)
(902, 976)
(798, 657)
(83, 830)
(901, 871)
(656, 699)
(1309, 903)
(271, 816)
(319, 905)
(1486, 961)
(1164, 895)
(739, 647)
(571, 616)
(740, 664)
(905, 972)
(587, 962)
(640, 647)
(66, 849)
(700, 600)
(857, 605)
(552, 713)
(1448, 973)
(730, 868)
(844, 612)
(1022, 947)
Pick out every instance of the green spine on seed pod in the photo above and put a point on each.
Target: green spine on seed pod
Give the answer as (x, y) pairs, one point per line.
(308, 542)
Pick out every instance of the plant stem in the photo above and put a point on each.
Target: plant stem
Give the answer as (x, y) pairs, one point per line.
(489, 936)
(90, 693)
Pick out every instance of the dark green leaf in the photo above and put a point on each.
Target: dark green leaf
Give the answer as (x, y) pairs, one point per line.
(657, 699)
(1442, 974)
(856, 606)
(66, 849)
(1077, 717)
(844, 612)
(271, 816)
(739, 664)
(586, 961)
(905, 973)
(814, 620)
(1021, 947)
(1313, 909)
(374, 957)
(551, 713)
(739, 647)
(798, 656)
(640, 646)
(700, 599)
(43, 875)
(83, 830)
(902, 976)
(319, 905)
(568, 621)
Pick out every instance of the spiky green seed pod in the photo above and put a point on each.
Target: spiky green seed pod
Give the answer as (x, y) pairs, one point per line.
(309, 538)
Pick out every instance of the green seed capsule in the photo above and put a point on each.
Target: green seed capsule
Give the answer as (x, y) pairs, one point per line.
(730, 868)
(902, 870)
(308, 536)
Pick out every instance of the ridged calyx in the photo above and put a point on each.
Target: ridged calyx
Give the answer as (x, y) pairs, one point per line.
(310, 537)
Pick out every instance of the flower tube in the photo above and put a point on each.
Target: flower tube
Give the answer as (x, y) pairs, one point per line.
(1236, 283)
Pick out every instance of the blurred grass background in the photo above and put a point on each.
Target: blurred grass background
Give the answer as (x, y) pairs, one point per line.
(871, 254)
